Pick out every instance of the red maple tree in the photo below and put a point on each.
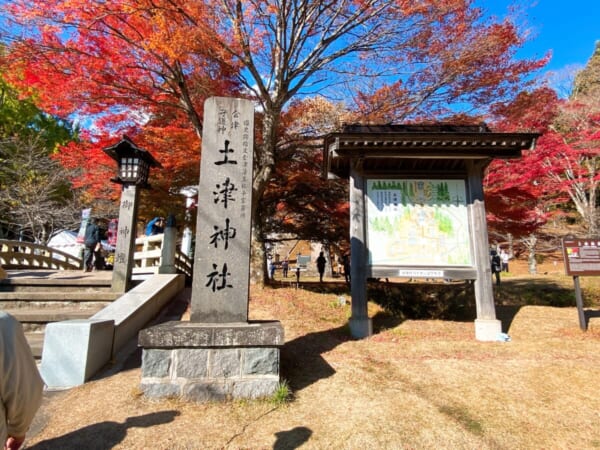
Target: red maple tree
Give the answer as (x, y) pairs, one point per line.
(119, 68)
(396, 60)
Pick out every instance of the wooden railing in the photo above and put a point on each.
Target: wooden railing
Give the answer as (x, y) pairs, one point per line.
(27, 255)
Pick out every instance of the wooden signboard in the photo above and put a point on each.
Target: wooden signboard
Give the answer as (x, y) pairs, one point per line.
(582, 257)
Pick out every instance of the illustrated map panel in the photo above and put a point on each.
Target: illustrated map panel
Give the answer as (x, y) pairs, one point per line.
(417, 223)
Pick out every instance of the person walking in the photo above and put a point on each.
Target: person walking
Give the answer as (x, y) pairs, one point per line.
(321, 266)
(92, 244)
(21, 386)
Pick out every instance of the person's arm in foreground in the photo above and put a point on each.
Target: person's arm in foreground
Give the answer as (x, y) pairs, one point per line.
(21, 386)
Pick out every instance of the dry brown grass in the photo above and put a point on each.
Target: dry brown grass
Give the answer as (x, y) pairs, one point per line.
(417, 384)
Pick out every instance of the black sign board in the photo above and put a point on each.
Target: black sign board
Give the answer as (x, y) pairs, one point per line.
(581, 255)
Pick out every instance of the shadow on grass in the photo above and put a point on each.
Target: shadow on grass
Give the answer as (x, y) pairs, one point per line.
(301, 360)
(418, 301)
(327, 287)
(512, 294)
(534, 291)
(290, 439)
(456, 300)
(104, 435)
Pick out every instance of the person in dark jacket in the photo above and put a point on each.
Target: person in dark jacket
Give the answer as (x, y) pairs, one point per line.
(496, 265)
(321, 266)
(91, 242)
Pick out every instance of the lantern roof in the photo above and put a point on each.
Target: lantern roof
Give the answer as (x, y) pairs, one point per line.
(126, 148)
(425, 148)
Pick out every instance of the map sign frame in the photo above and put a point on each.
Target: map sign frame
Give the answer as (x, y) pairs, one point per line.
(418, 223)
(581, 255)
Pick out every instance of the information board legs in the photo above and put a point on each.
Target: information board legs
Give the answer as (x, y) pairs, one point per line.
(360, 323)
(579, 301)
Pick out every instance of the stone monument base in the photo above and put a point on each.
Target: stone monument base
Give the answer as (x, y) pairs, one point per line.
(205, 362)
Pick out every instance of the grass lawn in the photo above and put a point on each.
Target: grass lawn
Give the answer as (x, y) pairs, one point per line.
(417, 383)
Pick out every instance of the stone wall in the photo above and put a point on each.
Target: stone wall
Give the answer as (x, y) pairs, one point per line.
(210, 373)
(204, 362)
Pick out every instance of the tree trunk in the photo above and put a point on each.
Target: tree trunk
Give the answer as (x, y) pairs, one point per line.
(264, 163)
(530, 242)
(258, 261)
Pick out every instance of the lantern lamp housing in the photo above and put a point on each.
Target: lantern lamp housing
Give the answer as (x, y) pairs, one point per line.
(134, 163)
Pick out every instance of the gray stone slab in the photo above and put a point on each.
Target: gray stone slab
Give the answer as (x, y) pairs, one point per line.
(191, 363)
(193, 334)
(255, 388)
(156, 363)
(225, 363)
(74, 350)
(160, 390)
(204, 392)
(136, 308)
(222, 256)
(260, 361)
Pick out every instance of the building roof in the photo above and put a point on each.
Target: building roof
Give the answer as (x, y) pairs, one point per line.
(418, 148)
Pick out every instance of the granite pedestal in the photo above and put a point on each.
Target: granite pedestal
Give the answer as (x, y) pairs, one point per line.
(205, 361)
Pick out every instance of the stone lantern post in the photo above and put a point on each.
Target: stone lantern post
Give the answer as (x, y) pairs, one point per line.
(134, 166)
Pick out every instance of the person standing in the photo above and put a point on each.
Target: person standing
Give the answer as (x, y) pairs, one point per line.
(496, 265)
(91, 242)
(155, 226)
(504, 257)
(346, 264)
(321, 266)
(21, 386)
(284, 268)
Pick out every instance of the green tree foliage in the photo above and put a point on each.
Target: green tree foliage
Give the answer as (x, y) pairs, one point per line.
(587, 82)
(19, 117)
(35, 196)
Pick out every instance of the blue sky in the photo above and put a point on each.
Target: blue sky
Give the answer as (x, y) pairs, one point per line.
(569, 28)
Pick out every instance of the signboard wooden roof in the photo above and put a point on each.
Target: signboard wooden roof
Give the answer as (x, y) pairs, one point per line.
(418, 148)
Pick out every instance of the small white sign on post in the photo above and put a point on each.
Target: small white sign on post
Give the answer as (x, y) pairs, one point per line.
(421, 273)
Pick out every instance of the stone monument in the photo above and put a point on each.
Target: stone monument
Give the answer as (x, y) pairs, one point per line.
(219, 354)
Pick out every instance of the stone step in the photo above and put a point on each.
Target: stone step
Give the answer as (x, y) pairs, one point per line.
(46, 315)
(36, 343)
(59, 296)
(52, 284)
(34, 321)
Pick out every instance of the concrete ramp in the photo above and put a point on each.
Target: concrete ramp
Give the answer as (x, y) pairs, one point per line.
(74, 350)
